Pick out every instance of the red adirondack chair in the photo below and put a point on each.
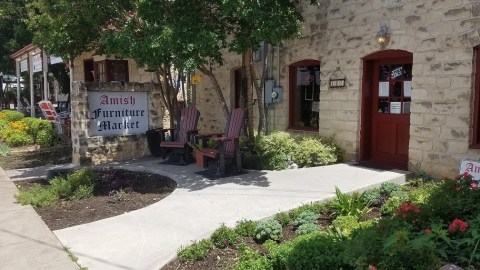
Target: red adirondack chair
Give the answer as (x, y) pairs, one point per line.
(228, 146)
(62, 124)
(186, 129)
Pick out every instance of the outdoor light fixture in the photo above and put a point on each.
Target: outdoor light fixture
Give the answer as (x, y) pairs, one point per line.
(383, 36)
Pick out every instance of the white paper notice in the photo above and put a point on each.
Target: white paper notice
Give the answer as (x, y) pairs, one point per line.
(396, 107)
(407, 88)
(383, 89)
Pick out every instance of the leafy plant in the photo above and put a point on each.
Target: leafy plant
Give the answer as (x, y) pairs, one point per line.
(394, 202)
(312, 152)
(37, 196)
(224, 237)
(283, 218)
(315, 207)
(307, 228)
(270, 229)
(18, 139)
(251, 259)
(83, 192)
(305, 218)
(115, 196)
(9, 115)
(348, 204)
(4, 150)
(196, 251)
(246, 228)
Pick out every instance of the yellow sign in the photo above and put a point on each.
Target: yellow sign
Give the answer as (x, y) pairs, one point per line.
(196, 79)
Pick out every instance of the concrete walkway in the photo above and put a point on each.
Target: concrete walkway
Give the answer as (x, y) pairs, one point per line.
(148, 238)
(25, 241)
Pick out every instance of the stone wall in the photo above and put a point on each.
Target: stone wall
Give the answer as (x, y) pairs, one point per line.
(441, 34)
(98, 149)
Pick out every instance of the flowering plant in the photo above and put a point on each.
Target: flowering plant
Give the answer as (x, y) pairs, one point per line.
(458, 225)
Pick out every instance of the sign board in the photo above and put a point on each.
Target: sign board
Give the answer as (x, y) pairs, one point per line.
(383, 89)
(471, 167)
(37, 62)
(407, 88)
(23, 65)
(117, 113)
(55, 59)
(396, 107)
(196, 79)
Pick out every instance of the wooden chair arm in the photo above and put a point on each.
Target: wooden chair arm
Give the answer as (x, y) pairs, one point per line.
(224, 139)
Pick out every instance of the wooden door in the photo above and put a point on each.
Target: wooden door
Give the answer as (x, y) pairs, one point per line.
(389, 112)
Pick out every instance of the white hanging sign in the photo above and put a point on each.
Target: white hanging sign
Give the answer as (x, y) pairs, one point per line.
(471, 167)
(23, 65)
(117, 113)
(37, 63)
(55, 59)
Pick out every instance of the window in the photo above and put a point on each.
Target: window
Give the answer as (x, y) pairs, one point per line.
(304, 95)
(476, 110)
(111, 70)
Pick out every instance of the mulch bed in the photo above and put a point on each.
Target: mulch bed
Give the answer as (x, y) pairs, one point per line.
(34, 156)
(120, 191)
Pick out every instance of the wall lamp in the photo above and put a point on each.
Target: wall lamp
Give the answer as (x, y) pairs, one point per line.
(383, 36)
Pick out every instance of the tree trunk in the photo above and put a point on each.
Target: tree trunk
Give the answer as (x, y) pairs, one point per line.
(250, 123)
(216, 88)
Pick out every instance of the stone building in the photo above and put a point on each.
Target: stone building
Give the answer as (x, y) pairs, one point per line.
(410, 103)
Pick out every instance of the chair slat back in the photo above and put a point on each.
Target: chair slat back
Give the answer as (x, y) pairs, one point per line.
(188, 121)
(234, 125)
(48, 110)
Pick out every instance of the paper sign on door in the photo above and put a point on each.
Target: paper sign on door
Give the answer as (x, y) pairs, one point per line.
(383, 89)
(396, 107)
(407, 88)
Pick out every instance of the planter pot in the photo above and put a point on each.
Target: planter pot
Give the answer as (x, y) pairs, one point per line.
(198, 158)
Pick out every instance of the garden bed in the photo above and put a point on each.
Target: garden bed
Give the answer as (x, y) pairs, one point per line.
(33, 156)
(119, 191)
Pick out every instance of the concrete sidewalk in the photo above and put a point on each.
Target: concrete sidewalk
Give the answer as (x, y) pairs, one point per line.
(25, 241)
(148, 238)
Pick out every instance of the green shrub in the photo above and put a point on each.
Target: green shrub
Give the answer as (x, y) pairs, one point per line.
(10, 116)
(307, 228)
(310, 251)
(251, 259)
(422, 194)
(346, 224)
(372, 196)
(246, 228)
(37, 196)
(312, 152)
(83, 192)
(43, 131)
(82, 177)
(18, 139)
(283, 218)
(394, 202)
(196, 251)
(46, 138)
(61, 187)
(3, 127)
(274, 149)
(224, 237)
(270, 229)
(348, 204)
(315, 207)
(389, 188)
(305, 218)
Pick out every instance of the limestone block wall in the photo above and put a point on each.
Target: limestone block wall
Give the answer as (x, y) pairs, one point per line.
(441, 34)
(100, 149)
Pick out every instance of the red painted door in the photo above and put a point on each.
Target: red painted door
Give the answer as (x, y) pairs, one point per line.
(390, 111)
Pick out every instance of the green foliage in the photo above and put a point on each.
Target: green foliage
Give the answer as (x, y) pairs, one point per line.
(394, 202)
(270, 229)
(378, 196)
(283, 218)
(46, 138)
(246, 228)
(306, 228)
(315, 207)
(422, 194)
(77, 185)
(346, 224)
(196, 251)
(251, 259)
(274, 149)
(348, 204)
(4, 150)
(224, 237)
(310, 251)
(312, 152)
(305, 218)
(10, 116)
(37, 196)
(18, 139)
(43, 132)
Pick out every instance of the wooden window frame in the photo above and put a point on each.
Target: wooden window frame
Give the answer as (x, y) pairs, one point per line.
(475, 142)
(107, 75)
(291, 95)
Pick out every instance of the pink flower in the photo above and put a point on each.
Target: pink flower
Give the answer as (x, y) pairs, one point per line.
(428, 231)
(474, 185)
(371, 267)
(457, 224)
